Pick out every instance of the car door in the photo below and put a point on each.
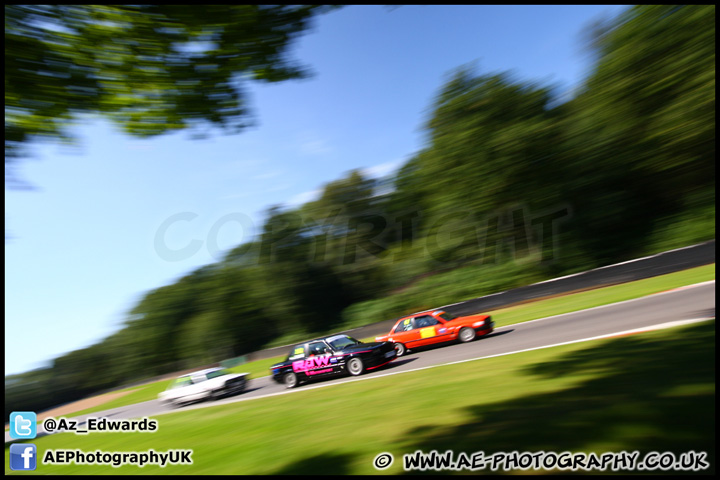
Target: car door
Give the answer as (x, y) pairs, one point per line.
(415, 331)
(427, 330)
(179, 388)
(198, 388)
(318, 361)
(405, 333)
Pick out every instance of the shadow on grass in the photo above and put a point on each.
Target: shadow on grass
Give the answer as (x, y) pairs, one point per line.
(645, 395)
(325, 464)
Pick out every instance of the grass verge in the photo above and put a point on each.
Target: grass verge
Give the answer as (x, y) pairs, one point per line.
(646, 392)
(506, 316)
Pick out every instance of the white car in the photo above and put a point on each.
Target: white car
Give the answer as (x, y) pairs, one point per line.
(211, 383)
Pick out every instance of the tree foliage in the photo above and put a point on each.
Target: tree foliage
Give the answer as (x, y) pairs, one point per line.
(149, 68)
(641, 140)
(632, 156)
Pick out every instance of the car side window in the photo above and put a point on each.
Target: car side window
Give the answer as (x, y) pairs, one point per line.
(425, 321)
(318, 348)
(297, 353)
(182, 382)
(404, 326)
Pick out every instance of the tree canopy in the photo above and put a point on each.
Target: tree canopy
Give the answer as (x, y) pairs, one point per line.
(149, 68)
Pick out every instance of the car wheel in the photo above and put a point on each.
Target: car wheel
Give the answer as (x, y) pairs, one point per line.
(466, 334)
(355, 366)
(400, 349)
(290, 380)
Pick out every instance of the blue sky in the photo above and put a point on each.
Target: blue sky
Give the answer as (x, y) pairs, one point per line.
(108, 220)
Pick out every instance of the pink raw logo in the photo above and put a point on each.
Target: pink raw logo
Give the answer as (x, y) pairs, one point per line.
(312, 363)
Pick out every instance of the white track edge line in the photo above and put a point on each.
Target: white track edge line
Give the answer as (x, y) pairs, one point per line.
(650, 328)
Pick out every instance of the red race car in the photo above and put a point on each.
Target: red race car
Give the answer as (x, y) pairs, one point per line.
(437, 326)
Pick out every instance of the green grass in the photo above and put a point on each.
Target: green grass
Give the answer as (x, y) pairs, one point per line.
(506, 316)
(601, 296)
(646, 392)
(140, 394)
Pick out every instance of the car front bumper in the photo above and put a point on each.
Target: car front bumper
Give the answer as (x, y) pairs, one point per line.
(487, 327)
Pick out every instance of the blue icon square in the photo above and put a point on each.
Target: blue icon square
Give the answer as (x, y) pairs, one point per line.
(23, 456)
(23, 425)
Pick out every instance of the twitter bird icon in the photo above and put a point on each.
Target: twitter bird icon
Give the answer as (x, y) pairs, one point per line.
(23, 425)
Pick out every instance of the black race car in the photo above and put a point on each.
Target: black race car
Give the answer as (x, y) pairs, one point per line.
(331, 356)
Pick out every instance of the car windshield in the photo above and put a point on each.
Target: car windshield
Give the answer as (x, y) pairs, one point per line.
(180, 382)
(338, 342)
(217, 373)
(446, 316)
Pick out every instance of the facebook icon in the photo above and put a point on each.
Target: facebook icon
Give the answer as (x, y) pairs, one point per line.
(23, 456)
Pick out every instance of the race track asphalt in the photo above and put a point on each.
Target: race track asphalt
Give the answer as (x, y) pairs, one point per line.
(696, 302)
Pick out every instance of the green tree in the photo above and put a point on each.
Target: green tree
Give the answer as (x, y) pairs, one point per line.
(641, 135)
(149, 68)
(352, 227)
(306, 293)
(492, 148)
